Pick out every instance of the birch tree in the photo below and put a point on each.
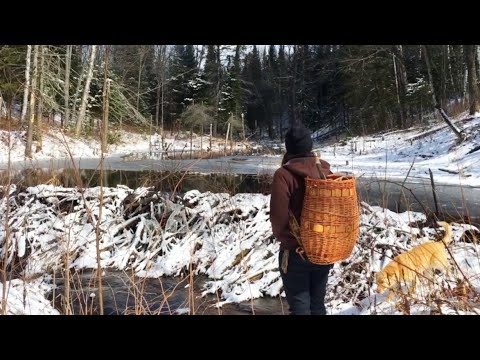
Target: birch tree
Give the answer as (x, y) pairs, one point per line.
(39, 117)
(66, 88)
(106, 98)
(472, 78)
(77, 89)
(161, 65)
(86, 91)
(27, 84)
(28, 145)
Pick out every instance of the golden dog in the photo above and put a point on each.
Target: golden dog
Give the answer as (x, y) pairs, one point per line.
(406, 267)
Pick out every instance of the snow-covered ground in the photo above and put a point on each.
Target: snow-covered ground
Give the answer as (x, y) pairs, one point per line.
(29, 297)
(227, 238)
(392, 154)
(57, 144)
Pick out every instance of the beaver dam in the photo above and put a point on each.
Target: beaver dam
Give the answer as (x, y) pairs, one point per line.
(218, 247)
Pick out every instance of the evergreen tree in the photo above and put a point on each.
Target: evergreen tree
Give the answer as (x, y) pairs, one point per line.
(12, 70)
(183, 79)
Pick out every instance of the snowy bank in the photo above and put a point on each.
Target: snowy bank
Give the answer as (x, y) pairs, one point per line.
(57, 144)
(414, 151)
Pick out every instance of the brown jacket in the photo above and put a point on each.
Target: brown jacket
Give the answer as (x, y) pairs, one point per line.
(288, 189)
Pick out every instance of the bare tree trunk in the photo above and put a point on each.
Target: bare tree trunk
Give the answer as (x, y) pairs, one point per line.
(86, 91)
(140, 68)
(160, 71)
(293, 89)
(39, 119)
(201, 139)
(199, 54)
(461, 74)
(157, 105)
(191, 141)
(403, 69)
(231, 137)
(226, 137)
(162, 135)
(302, 53)
(401, 122)
(402, 81)
(465, 79)
(454, 87)
(436, 102)
(477, 61)
(66, 88)
(243, 127)
(77, 90)
(28, 145)
(430, 78)
(9, 113)
(27, 84)
(217, 99)
(472, 77)
(443, 78)
(106, 97)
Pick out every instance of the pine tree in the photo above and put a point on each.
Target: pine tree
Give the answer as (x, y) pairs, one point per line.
(237, 86)
(267, 89)
(231, 100)
(255, 112)
(281, 77)
(184, 75)
(12, 72)
(210, 77)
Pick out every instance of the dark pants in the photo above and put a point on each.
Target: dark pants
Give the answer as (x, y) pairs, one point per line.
(305, 285)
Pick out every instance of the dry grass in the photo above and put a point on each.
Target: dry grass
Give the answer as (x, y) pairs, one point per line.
(9, 125)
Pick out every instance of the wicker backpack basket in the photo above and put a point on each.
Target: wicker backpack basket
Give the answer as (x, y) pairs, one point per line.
(329, 223)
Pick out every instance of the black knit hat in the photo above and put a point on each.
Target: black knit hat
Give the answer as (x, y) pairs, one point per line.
(298, 140)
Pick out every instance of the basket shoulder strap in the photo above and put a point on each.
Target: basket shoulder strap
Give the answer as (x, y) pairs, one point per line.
(320, 172)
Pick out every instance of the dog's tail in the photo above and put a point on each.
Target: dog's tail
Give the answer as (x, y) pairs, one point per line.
(447, 238)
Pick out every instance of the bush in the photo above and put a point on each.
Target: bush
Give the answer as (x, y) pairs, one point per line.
(113, 138)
